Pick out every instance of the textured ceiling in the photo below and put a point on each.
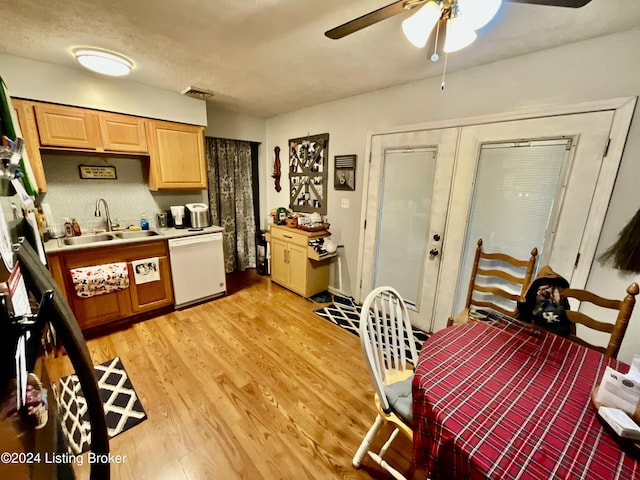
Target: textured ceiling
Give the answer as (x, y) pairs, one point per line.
(266, 57)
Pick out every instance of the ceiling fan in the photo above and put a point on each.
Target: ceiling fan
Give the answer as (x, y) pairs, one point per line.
(462, 18)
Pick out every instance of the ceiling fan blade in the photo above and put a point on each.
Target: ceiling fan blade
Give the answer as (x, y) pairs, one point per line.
(554, 3)
(372, 17)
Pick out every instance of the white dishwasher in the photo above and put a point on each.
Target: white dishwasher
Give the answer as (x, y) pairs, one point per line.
(197, 268)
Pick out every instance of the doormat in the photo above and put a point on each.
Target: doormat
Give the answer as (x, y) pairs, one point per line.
(322, 297)
(346, 314)
(122, 408)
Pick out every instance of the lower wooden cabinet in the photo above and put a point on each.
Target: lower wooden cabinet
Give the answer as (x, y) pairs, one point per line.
(100, 310)
(152, 295)
(294, 265)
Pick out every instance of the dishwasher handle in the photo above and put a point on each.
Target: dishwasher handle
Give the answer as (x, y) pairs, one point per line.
(195, 239)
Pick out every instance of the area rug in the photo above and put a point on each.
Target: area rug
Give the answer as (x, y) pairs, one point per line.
(346, 314)
(122, 408)
(322, 297)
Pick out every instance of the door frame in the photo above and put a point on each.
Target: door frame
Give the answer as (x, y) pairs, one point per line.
(623, 108)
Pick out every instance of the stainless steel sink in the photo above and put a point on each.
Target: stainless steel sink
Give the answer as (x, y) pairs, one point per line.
(103, 237)
(136, 234)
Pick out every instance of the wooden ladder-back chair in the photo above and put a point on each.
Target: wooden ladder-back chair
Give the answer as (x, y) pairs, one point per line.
(389, 349)
(616, 330)
(498, 276)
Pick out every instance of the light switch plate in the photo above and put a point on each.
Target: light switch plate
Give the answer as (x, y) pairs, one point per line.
(345, 203)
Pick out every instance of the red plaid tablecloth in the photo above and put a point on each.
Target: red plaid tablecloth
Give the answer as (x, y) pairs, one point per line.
(511, 403)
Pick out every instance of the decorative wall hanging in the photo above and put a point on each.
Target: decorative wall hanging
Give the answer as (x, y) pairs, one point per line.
(308, 173)
(97, 172)
(344, 176)
(276, 168)
(625, 253)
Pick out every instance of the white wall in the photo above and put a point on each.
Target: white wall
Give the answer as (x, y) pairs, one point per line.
(68, 86)
(597, 69)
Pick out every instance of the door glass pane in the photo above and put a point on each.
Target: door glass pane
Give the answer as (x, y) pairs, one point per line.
(403, 222)
(515, 193)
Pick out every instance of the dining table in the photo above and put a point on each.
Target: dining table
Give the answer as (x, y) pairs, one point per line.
(501, 399)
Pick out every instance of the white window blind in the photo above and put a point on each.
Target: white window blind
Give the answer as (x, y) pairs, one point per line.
(515, 192)
(403, 222)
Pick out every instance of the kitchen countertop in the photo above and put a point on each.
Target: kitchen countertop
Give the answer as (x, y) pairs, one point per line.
(52, 246)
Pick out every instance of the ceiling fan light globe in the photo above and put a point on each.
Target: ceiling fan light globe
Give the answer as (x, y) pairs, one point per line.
(418, 26)
(459, 35)
(477, 13)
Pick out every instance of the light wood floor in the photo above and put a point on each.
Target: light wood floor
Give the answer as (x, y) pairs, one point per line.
(253, 385)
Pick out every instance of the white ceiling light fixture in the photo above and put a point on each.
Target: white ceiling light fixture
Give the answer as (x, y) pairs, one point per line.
(103, 61)
(459, 35)
(463, 18)
(418, 26)
(477, 13)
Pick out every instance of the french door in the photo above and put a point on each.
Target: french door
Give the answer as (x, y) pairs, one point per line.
(566, 210)
(423, 252)
(408, 194)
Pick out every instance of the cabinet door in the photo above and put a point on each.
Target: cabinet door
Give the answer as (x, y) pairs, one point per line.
(152, 295)
(279, 265)
(122, 133)
(176, 156)
(68, 127)
(100, 309)
(297, 257)
(29, 129)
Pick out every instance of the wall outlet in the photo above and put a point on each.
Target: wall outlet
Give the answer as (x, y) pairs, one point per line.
(345, 203)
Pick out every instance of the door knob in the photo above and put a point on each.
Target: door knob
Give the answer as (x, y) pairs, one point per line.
(436, 237)
(434, 252)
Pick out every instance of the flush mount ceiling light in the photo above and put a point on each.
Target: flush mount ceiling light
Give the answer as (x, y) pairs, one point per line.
(102, 61)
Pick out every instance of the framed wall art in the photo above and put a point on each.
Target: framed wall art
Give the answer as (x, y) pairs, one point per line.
(344, 173)
(308, 173)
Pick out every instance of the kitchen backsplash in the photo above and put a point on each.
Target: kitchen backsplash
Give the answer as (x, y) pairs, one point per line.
(127, 196)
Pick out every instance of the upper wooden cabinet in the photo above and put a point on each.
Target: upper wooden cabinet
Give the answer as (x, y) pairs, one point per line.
(122, 133)
(177, 156)
(69, 127)
(176, 150)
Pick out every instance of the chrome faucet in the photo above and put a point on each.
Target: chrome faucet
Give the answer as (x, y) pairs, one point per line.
(106, 211)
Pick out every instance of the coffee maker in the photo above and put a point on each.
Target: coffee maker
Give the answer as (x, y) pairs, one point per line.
(177, 213)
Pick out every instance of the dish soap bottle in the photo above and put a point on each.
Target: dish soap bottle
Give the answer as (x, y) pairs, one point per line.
(68, 228)
(144, 223)
(76, 227)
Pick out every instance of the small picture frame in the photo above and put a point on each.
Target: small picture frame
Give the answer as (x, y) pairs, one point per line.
(344, 172)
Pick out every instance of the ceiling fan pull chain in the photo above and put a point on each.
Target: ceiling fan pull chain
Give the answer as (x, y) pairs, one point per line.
(435, 57)
(444, 70)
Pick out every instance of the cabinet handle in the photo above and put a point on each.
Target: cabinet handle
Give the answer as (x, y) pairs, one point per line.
(287, 236)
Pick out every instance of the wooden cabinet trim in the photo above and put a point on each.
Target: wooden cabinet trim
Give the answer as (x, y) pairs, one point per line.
(29, 129)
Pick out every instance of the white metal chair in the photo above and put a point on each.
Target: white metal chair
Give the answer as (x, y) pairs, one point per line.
(390, 352)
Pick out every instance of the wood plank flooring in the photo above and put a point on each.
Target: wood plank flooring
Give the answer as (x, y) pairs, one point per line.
(253, 385)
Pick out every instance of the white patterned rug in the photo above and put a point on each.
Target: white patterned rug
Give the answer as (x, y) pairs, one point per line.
(122, 408)
(346, 314)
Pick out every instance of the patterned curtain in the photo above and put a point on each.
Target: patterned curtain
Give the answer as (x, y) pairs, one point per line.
(231, 200)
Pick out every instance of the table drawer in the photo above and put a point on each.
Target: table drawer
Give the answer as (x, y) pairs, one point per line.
(290, 236)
